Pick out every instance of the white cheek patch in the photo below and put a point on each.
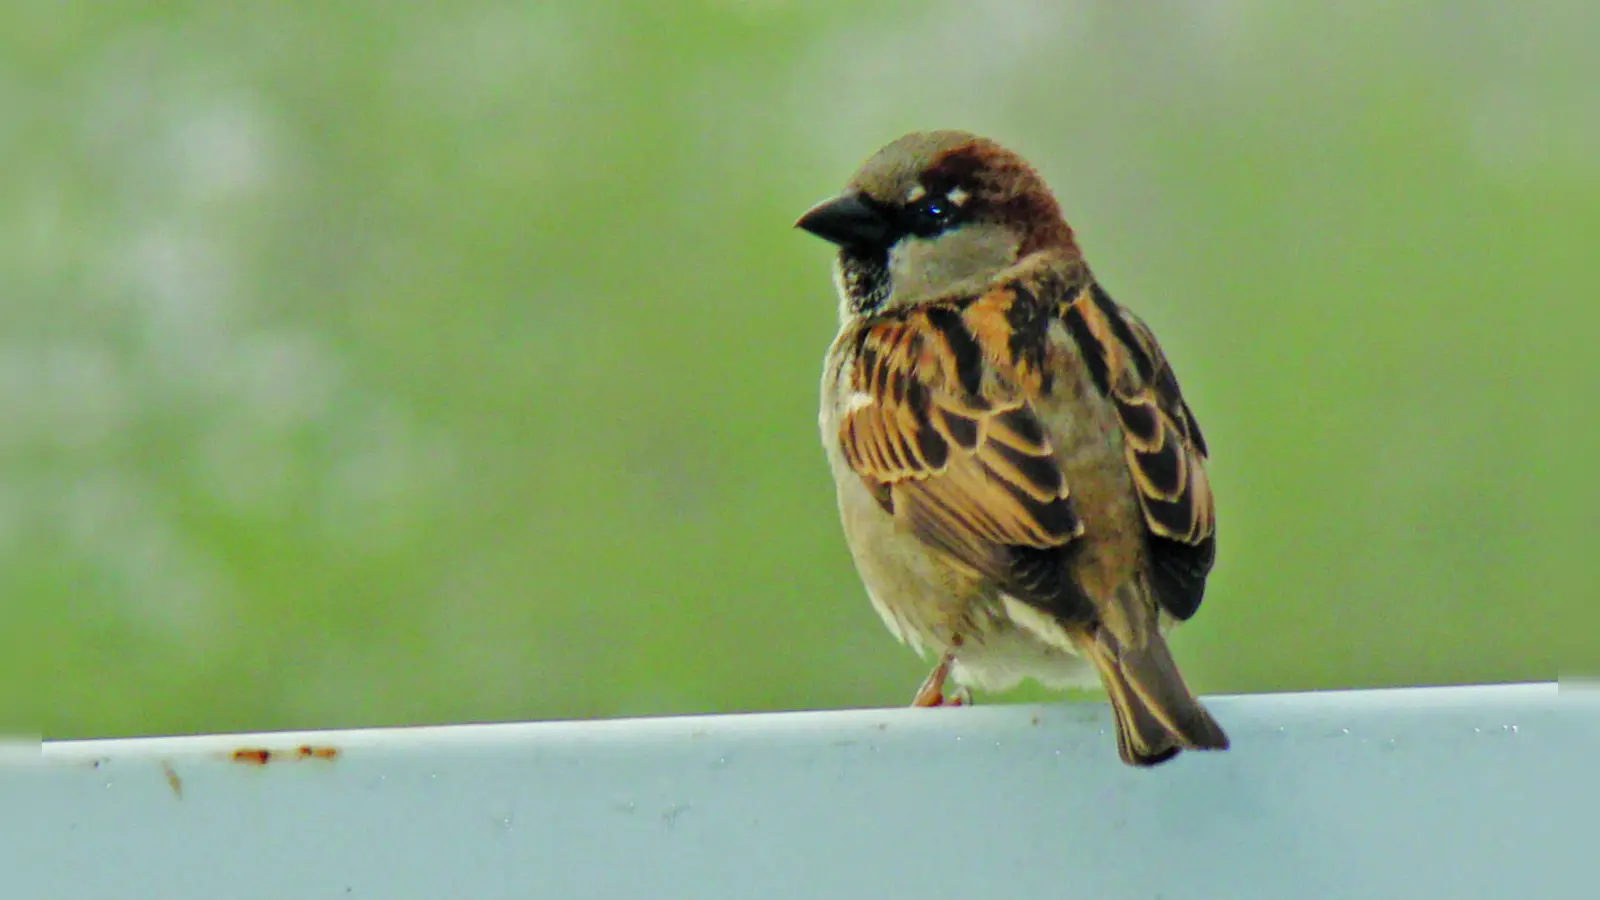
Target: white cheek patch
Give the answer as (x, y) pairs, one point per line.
(958, 196)
(916, 193)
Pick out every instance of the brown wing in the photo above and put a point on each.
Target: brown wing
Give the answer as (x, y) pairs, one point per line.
(942, 432)
(1165, 450)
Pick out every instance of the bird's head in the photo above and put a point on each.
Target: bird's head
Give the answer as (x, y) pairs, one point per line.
(934, 213)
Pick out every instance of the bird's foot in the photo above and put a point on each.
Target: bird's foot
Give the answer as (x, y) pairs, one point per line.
(932, 691)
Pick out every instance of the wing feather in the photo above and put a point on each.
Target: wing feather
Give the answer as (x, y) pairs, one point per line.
(1165, 450)
(947, 438)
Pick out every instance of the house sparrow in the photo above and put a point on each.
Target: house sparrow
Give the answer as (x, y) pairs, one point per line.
(1020, 481)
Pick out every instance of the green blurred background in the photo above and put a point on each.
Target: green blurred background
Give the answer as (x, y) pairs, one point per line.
(372, 363)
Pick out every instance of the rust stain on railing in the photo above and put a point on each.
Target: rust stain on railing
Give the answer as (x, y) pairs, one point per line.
(260, 756)
(173, 781)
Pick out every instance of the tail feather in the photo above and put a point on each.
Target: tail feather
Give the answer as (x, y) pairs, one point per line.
(1156, 714)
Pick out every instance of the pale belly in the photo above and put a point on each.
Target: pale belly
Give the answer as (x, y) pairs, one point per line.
(932, 608)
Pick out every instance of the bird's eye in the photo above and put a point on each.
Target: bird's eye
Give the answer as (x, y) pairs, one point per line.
(931, 216)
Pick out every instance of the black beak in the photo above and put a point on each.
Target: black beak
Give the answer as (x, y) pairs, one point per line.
(849, 222)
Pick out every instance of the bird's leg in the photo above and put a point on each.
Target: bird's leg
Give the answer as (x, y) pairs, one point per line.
(932, 691)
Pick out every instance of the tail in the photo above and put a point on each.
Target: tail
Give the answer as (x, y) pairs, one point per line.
(1156, 714)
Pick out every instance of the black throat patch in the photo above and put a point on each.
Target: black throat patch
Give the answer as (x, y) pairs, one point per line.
(864, 277)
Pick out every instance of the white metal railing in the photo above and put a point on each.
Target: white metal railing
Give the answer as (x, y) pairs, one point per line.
(1459, 792)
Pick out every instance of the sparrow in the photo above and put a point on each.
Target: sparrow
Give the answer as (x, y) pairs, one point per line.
(1021, 483)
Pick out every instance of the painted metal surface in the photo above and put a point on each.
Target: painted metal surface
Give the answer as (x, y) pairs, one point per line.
(1439, 792)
